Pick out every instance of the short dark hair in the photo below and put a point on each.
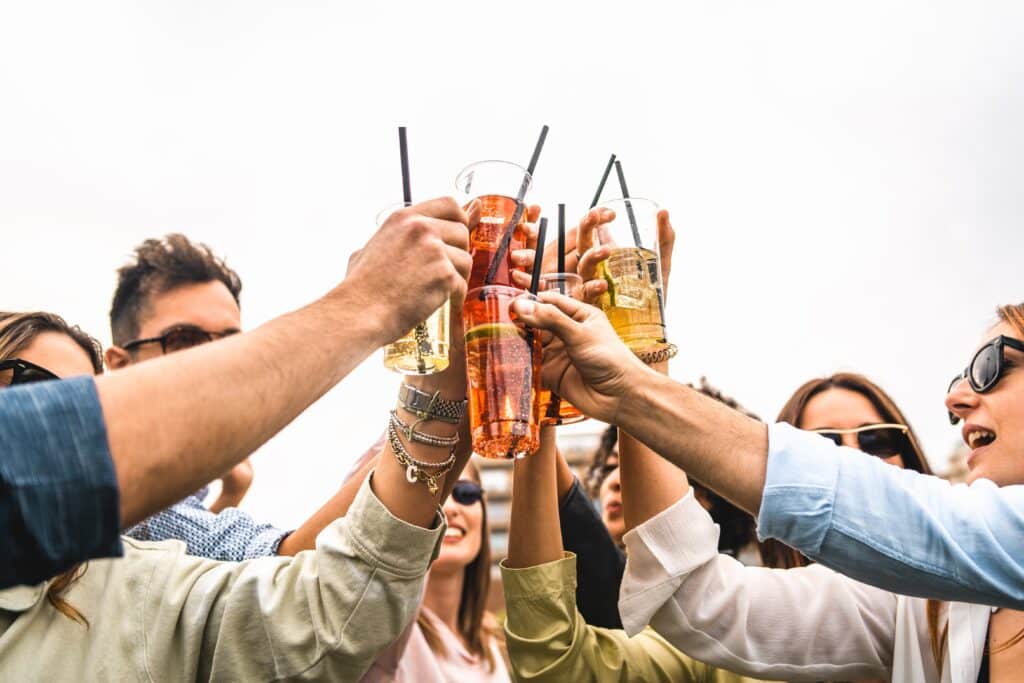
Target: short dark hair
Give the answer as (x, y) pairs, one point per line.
(158, 266)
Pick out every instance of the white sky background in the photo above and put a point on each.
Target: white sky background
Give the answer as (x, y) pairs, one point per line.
(845, 179)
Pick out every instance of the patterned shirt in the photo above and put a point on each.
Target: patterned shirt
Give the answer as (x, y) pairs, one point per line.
(230, 535)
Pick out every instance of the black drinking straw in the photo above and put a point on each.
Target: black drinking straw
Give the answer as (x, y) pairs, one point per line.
(420, 331)
(604, 179)
(629, 205)
(403, 148)
(506, 239)
(561, 247)
(542, 233)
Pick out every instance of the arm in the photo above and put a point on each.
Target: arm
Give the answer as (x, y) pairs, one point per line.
(188, 430)
(650, 484)
(600, 563)
(798, 624)
(547, 638)
(234, 485)
(322, 615)
(959, 543)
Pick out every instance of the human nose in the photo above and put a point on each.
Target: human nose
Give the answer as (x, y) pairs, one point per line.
(961, 400)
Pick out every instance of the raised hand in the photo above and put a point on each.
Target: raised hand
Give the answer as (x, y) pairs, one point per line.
(584, 360)
(415, 261)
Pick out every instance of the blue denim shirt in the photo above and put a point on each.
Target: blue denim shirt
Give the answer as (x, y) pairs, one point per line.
(231, 535)
(896, 529)
(59, 501)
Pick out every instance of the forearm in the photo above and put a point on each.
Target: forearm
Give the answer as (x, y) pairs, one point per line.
(534, 535)
(304, 538)
(414, 502)
(710, 441)
(207, 408)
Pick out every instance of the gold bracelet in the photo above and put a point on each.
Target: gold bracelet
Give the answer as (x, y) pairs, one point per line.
(659, 356)
(415, 470)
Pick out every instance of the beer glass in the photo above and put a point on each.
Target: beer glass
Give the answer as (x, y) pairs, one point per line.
(634, 302)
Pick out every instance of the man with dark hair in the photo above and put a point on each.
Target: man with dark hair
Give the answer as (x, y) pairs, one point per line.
(176, 294)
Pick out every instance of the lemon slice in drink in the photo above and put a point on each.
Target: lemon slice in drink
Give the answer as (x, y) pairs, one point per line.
(603, 269)
(492, 331)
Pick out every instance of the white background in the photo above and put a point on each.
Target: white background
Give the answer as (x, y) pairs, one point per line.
(845, 178)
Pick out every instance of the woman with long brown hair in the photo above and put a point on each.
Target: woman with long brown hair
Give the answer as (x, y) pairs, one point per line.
(454, 637)
(810, 623)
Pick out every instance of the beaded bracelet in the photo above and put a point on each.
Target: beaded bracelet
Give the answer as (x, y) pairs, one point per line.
(659, 356)
(410, 433)
(415, 470)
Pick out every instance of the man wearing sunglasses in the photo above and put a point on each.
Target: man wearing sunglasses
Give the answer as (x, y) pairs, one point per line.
(919, 536)
(160, 430)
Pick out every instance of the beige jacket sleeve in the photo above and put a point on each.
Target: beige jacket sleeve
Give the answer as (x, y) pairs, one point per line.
(321, 615)
(804, 624)
(548, 640)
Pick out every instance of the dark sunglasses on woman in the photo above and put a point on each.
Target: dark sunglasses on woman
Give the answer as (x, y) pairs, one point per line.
(881, 440)
(987, 367)
(179, 338)
(17, 371)
(467, 492)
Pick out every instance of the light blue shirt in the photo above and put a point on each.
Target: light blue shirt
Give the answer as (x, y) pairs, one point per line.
(896, 529)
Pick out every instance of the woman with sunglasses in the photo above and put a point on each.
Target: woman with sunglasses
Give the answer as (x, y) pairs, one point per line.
(454, 637)
(850, 410)
(836, 627)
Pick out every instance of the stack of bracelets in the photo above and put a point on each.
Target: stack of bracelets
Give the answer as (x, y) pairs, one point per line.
(426, 407)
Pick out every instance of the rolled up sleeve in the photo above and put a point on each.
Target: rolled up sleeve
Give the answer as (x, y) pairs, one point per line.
(59, 501)
(896, 529)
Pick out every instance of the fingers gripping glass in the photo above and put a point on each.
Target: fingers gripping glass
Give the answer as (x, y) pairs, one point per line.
(179, 338)
(987, 367)
(17, 371)
(881, 440)
(467, 492)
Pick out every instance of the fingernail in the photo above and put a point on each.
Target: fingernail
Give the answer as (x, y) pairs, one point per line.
(524, 306)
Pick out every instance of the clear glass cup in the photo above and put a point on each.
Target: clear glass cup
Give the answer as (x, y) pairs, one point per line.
(555, 410)
(496, 184)
(634, 302)
(424, 350)
(503, 360)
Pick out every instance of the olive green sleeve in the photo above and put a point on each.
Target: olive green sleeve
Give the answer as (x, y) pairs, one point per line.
(549, 641)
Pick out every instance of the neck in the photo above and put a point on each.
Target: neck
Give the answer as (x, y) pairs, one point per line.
(443, 594)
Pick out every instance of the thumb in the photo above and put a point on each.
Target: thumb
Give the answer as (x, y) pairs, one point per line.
(555, 317)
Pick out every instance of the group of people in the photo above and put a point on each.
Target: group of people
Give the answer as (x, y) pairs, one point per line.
(859, 566)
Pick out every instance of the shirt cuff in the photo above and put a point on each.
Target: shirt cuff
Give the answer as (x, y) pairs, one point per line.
(550, 578)
(389, 542)
(800, 488)
(659, 553)
(62, 495)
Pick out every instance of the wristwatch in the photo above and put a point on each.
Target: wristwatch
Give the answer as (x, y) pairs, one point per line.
(431, 406)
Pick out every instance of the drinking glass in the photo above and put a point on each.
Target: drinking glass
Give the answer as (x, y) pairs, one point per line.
(424, 350)
(503, 369)
(634, 302)
(555, 410)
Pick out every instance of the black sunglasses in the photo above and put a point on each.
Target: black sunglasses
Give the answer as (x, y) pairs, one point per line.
(179, 338)
(881, 440)
(17, 371)
(467, 492)
(987, 367)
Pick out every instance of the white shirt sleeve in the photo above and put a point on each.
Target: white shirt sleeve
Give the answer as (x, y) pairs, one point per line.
(808, 623)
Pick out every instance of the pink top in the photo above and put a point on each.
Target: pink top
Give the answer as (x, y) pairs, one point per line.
(410, 660)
